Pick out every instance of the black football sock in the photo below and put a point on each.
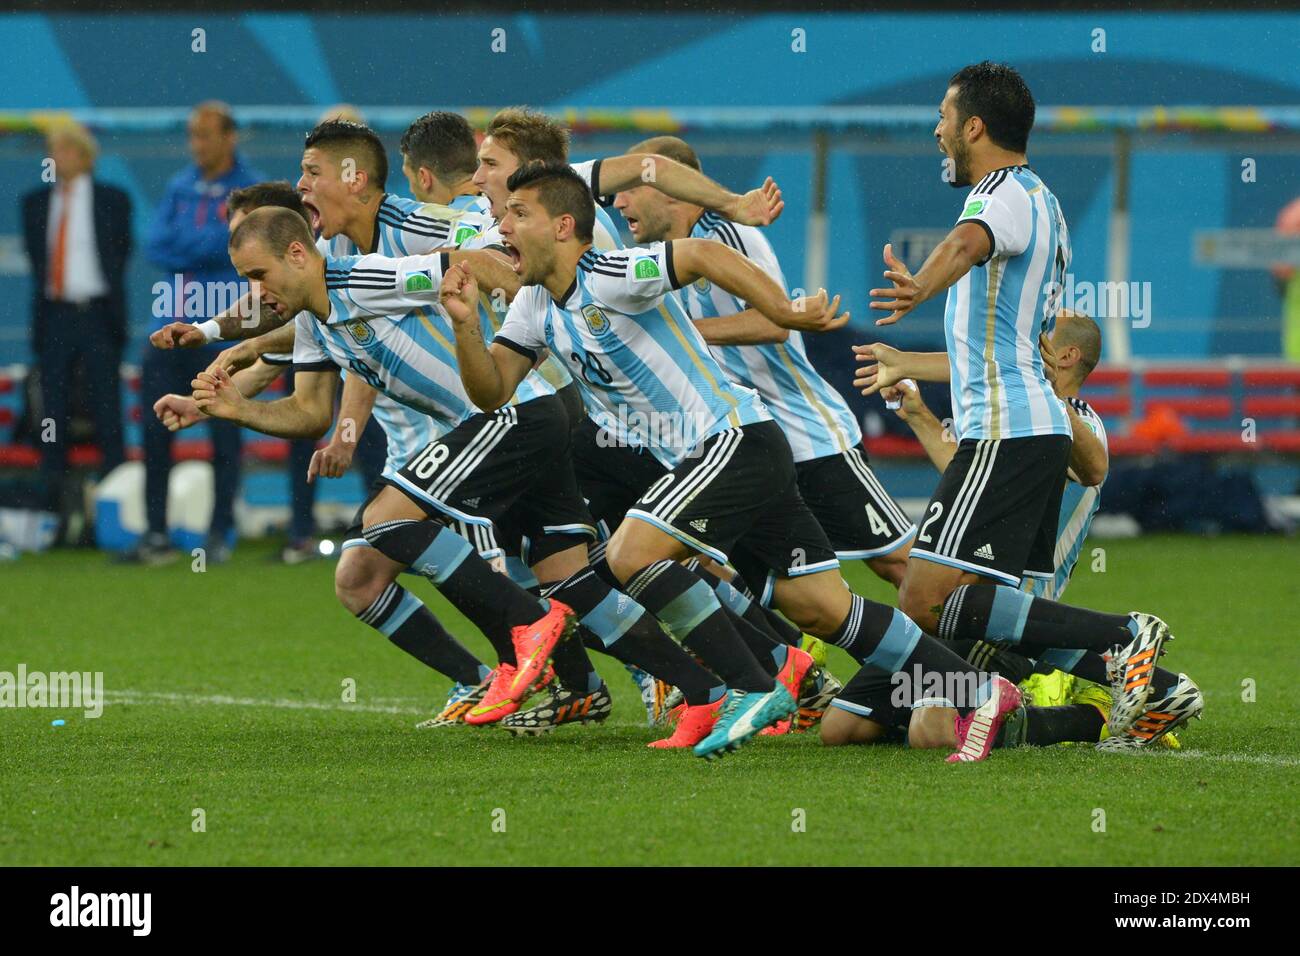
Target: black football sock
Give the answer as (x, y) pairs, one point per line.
(660, 656)
(573, 668)
(491, 601)
(1092, 667)
(1053, 725)
(628, 633)
(885, 638)
(735, 597)
(1000, 613)
(690, 611)
(402, 618)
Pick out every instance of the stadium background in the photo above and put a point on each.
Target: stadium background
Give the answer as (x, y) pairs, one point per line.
(735, 87)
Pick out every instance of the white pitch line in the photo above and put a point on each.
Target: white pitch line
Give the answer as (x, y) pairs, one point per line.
(223, 700)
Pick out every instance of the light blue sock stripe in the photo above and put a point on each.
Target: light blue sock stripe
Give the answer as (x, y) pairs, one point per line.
(520, 573)
(608, 621)
(729, 595)
(408, 606)
(443, 556)
(897, 645)
(780, 653)
(684, 613)
(1007, 617)
(1061, 658)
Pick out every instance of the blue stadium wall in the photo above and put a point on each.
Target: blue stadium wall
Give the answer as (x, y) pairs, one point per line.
(66, 61)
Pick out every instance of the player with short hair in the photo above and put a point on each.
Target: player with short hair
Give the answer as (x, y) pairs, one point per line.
(722, 476)
(1071, 354)
(992, 518)
(378, 315)
(860, 517)
(393, 611)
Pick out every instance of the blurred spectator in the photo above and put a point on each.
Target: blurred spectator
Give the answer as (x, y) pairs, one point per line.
(1288, 277)
(77, 234)
(187, 240)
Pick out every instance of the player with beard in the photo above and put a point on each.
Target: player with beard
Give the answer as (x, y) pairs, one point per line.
(992, 519)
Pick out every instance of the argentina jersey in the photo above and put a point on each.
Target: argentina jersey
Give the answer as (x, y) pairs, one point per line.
(996, 312)
(816, 420)
(1078, 505)
(408, 227)
(646, 374)
(604, 234)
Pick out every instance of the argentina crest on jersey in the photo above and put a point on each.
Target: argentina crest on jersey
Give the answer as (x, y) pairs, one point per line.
(596, 318)
(360, 331)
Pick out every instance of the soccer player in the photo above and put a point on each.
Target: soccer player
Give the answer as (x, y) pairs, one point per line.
(1072, 352)
(852, 506)
(863, 712)
(723, 476)
(992, 518)
(379, 316)
(392, 610)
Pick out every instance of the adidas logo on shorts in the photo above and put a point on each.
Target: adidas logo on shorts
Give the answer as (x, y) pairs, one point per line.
(984, 551)
(699, 524)
(472, 502)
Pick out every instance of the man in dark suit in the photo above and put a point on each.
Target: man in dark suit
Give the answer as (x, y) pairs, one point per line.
(77, 234)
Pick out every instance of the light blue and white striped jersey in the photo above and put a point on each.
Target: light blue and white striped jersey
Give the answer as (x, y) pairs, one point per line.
(646, 374)
(816, 419)
(408, 227)
(604, 234)
(604, 238)
(386, 326)
(1078, 505)
(996, 311)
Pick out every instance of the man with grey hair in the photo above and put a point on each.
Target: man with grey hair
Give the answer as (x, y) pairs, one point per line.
(77, 233)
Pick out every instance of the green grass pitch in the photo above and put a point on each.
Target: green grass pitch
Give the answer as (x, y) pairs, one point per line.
(225, 694)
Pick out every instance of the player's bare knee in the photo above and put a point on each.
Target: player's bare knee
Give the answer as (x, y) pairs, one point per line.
(358, 582)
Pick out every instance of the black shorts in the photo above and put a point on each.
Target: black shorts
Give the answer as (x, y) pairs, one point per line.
(481, 535)
(997, 506)
(510, 467)
(739, 496)
(612, 477)
(870, 693)
(859, 516)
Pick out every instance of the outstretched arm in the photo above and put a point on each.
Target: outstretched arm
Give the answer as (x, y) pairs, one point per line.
(306, 413)
(693, 259)
(748, 327)
(246, 319)
(884, 366)
(965, 247)
(937, 441)
(758, 207)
